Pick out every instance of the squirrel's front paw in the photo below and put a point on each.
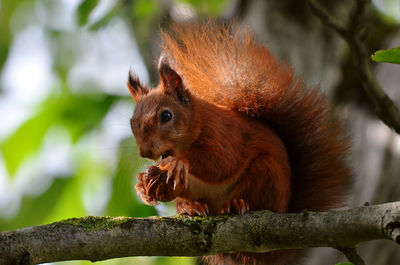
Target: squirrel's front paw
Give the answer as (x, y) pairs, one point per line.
(192, 207)
(143, 187)
(141, 190)
(177, 169)
(235, 206)
(152, 187)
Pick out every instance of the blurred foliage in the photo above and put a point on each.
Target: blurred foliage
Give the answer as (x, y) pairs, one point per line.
(90, 178)
(84, 10)
(389, 10)
(6, 10)
(78, 113)
(207, 7)
(387, 56)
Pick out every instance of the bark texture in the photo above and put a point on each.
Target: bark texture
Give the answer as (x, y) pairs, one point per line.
(99, 238)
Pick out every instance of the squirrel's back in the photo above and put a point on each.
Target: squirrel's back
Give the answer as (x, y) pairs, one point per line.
(226, 65)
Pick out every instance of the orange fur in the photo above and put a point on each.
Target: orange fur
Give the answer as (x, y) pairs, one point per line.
(228, 67)
(244, 126)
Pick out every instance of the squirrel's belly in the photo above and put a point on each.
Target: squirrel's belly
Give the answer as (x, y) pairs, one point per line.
(214, 195)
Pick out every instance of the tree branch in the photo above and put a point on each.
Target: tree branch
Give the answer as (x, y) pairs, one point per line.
(383, 106)
(99, 238)
(352, 255)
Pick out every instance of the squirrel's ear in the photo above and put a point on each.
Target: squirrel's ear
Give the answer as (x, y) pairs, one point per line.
(137, 90)
(172, 82)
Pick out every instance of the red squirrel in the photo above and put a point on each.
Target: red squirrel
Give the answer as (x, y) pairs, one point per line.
(236, 132)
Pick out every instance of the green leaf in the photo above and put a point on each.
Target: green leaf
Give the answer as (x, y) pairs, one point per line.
(7, 9)
(25, 141)
(34, 210)
(79, 113)
(84, 10)
(387, 56)
(344, 263)
(102, 22)
(207, 7)
(69, 203)
(143, 9)
(176, 260)
(123, 199)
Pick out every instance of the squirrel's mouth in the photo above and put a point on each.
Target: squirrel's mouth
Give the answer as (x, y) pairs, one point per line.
(166, 154)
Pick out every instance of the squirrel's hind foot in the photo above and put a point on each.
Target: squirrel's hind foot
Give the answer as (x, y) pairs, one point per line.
(238, 206)
(184, 206)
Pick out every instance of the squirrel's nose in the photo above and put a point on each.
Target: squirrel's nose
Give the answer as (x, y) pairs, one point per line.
(145, 153)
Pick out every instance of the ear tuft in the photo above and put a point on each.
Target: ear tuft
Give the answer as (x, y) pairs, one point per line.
(172, 82)
(136, 88)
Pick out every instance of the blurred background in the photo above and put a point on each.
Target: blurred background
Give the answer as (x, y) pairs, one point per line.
(66, 149)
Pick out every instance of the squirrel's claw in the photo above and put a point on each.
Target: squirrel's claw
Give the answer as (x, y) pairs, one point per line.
(177, 169)
(168, 164)
(151, 183)
(235, 206)
(171, 170)
(194, 208)
(179, 173)
(141, 192)
(148, 199)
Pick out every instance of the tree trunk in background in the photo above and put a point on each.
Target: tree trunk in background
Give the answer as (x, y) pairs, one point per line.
(317, 53)
(296, 36)
(383, 148)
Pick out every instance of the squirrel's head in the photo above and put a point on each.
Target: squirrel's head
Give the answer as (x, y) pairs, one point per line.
(162, 116)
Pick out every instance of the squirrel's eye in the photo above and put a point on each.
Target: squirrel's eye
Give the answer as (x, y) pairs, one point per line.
(166, 116)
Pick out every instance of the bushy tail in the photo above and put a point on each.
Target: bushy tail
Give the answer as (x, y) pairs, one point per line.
(226, 65)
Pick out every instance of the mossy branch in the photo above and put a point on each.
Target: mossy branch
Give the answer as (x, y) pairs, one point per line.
(100, 238)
